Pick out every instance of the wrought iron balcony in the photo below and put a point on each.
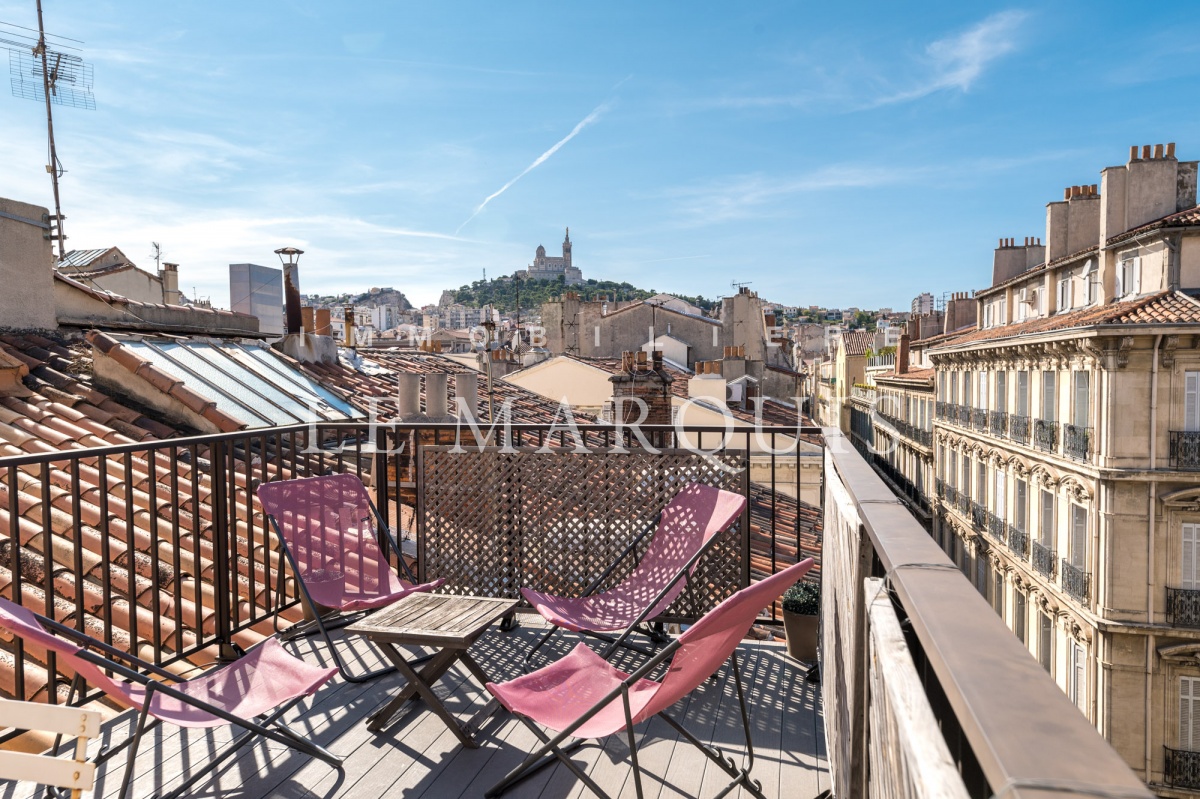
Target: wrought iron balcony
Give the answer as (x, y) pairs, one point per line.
(939, 409)
(1018, 428)
(1018, 540)
(979, 419)
(1043, 558)
(996, 527)
(978, 516)
(1185, 449)
(998, 423)
(940, 486)
(1183, 607)
(964, 416)
(1183, 768)
(1075, 580)
(951, 496)
(964, 503)
(1077, 441)
(1045, 435)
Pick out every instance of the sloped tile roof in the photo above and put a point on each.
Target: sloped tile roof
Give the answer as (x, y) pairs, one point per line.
(912, 375)
(1185, 218)
(857, 342)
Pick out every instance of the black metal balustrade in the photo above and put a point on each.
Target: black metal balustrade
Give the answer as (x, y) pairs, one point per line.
(1018, 540)
(1018, 428)
(996, 527)
(978, 517)
(998, 423)
(939, 409)
(1077, 442)
(1043, 558)
(964, 416)
(1183, 768)
(951, 496)
(979, 419)
(1045, 435)
(964, 502)
(1185, 449)
(901, 481)
(1075, 580)
(1183, 607)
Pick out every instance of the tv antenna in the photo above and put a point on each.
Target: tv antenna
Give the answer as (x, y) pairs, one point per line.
(738, 286)
(157, 255)
(38, 72)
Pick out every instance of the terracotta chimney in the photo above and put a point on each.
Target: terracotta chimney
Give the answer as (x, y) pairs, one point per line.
(322, 322)
(307, 318)
(170, 283)
(348, 318)
(647, 381)
(902, 355)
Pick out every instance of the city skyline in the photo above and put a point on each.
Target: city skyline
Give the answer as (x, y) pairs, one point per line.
(413, 148)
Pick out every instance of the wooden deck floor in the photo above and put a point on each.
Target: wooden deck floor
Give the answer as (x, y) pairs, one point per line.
(418, 757)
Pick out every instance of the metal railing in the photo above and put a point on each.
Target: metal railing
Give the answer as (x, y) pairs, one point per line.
(862, 393)
(1182, 768)
(964, 416)
(1018, 428)
(911, 714)
(996, 527)
(1183, 607)
(964, 503)
(1043, 558)
(162, 546)
(998, 423)
(979, 419)
(978, 517)
(951, 496)
(1075, 581)
(1018, 540)
(1185, 449)
(1077, 442)
(1045, 435)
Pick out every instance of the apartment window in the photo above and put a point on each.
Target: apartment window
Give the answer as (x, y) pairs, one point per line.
(1189, 713)
(952, 396)
(1129, 275)
(1091, 279)
(1019, 615)
(981, 482)
(1064, 294)
(965, 488)
(952, 472)
(1049, 396)
(1046, 642)
(1189, 564)
(998, 592)
(1046, 520)
(1022, 393)
(1020, 517)
(1078, 549)
(1001, 497)
(987, 315)
(1001, 391)
(1021, 301)
(1191, 401)
(1039, 301)
(983, 389)
(966, 397)
(1077, 677)
(981, 574)
(1081, 399)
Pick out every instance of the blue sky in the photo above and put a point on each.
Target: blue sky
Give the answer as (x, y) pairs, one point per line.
(831, 153)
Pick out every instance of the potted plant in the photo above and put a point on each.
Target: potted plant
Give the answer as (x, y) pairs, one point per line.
(801, 610)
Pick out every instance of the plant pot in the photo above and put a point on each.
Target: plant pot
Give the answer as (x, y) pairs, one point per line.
(801, 632)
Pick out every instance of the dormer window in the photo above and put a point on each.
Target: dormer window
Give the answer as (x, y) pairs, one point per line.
(1129, 274)
(1064, 294)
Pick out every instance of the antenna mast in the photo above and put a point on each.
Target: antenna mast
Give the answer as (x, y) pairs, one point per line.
(54, 167)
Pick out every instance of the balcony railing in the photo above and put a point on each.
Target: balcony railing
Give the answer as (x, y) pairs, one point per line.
(1185, 449)
(978, 517)
(979, 419)
(996, 527)
(1045, 435)
(1183, 768)
(951, 496)
(940, 409)
(1077, 442)
(1018, 428)
(940, 486)
(862, 393)
(964, 503)
(998, 423)
(1043, 558)
(964, 416)
(1183, 607)
(1018, 540)
(1075, 581)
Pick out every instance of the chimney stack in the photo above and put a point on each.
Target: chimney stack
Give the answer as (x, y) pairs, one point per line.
(437, 399)
(645, 379)
(322, 322)
(307, 318)
(466, 394)
(902, 355)
(408, 396)
(293, 323)
(348, 320)
(170, 283)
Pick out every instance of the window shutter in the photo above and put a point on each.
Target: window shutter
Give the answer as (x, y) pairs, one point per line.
(1135, 276)
(1048, 396)
(1189, 713)
(1080, 416)
(1191, 407)
(1187, 567)
(1022, 393)
(1078, 537)
(1120, 288)
(1046, 523)
(1001, 504)
(1079, 676)
(1020, 504)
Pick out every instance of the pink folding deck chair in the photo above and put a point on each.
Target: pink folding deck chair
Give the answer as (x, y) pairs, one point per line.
(577, 696)
(252, 692)
(683, 532)
(330, 531)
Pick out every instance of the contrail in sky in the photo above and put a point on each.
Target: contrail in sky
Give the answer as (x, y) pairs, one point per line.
(541, 159)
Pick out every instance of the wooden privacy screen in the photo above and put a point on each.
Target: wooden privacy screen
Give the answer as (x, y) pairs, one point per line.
(493, 522)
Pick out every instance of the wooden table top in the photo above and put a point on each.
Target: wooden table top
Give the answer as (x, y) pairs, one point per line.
(440, 619)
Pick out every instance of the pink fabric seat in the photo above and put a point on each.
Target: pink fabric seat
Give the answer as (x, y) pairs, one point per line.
(686, 527)
(584, 696)
(267, 680)
(331, 531)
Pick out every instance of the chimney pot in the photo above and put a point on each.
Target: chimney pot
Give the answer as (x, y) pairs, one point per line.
(1067, 193)
(1133, 152)
(408, 395)
(436, 398)
(1158, 151)
(1170, 149)
(322, 322)
(348, 320)
(1145, 152)
(466, 394)
(307, 318)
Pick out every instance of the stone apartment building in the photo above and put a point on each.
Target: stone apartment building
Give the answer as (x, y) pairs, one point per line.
(1065, 450)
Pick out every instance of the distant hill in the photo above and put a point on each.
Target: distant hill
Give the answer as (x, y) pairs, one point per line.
(501, 293)
(386, 296)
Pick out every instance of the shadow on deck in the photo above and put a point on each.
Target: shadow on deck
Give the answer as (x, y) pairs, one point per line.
(419, 757)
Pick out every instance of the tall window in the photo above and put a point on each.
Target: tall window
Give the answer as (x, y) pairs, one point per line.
(965, 487)
(1191, 401)
(1078, 550)
(1064, 294)
(1080, 399)
(1001, 403)
(1019, 615)
(1046, 642)
(998, 592)
(952, 472)
(1020, 516)
(966, 397)
(981, 486)
(1046, 520)
(1000, 498)
(1091, 279)
(1022, 393)
(981, 574)
(1189, 564)
(983, 389)
(1189, 713)
(1077, 677)
(1049, 396)
(1129, 275)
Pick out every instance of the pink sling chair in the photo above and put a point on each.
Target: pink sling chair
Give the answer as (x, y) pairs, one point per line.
(578, 696)
(330, 531)
(685, 529)
(252, 692)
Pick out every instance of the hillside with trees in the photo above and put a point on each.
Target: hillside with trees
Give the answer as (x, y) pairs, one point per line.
(501, 293)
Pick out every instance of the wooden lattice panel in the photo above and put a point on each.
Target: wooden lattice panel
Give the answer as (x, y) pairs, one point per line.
(492, 522)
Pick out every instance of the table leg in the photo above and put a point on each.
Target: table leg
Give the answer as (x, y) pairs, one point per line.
(476, 721)
(417, 684)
